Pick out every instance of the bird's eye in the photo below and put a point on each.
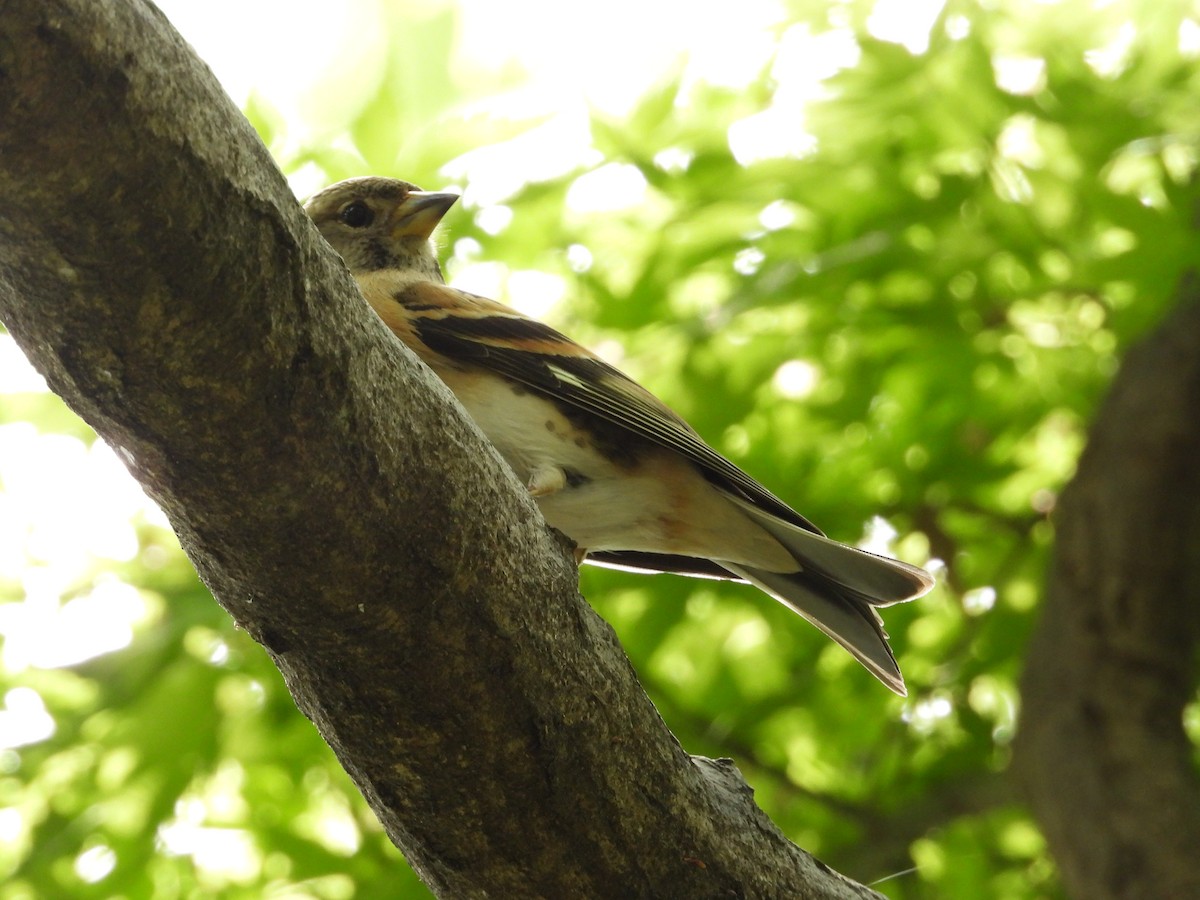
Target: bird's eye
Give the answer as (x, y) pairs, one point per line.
(357, 214)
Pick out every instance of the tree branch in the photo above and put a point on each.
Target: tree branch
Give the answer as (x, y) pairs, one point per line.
(156, 269)
(1101, 749)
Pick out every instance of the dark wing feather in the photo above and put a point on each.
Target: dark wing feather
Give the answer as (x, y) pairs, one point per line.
(642, 561)
(463, 326)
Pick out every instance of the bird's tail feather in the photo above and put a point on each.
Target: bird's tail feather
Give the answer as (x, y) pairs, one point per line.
(874, 579)
(847, 620)
(836, 589)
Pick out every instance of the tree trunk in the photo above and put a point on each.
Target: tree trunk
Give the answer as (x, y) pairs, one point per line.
(1101, 750)
(334, 498)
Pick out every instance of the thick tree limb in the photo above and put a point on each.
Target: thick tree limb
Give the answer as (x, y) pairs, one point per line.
(1101, 749)
(155, 268)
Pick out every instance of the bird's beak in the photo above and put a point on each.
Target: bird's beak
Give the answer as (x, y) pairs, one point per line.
(420, 213)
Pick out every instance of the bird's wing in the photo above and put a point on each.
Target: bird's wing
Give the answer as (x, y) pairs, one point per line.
(656, 563)
(467, 328)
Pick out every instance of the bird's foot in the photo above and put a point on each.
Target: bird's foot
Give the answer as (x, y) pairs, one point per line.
(546, 480)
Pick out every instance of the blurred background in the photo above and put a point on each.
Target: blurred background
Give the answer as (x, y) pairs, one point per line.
(886, 256)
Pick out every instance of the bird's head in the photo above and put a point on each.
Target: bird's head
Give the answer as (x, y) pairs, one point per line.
(380, 223)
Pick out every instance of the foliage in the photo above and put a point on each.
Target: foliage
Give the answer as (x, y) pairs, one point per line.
(902, 327)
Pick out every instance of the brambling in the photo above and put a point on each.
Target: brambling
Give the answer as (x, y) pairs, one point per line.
(608, 464)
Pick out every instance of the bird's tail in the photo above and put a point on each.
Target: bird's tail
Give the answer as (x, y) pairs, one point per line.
(837, 590)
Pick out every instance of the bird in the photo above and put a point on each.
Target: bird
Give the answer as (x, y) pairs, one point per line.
(607, 463)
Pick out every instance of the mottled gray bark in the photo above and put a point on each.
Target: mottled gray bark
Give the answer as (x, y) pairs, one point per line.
(155, 268)
(1101, 750)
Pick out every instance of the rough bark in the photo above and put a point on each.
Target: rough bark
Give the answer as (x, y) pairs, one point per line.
(156, 269)
(1101, 750)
